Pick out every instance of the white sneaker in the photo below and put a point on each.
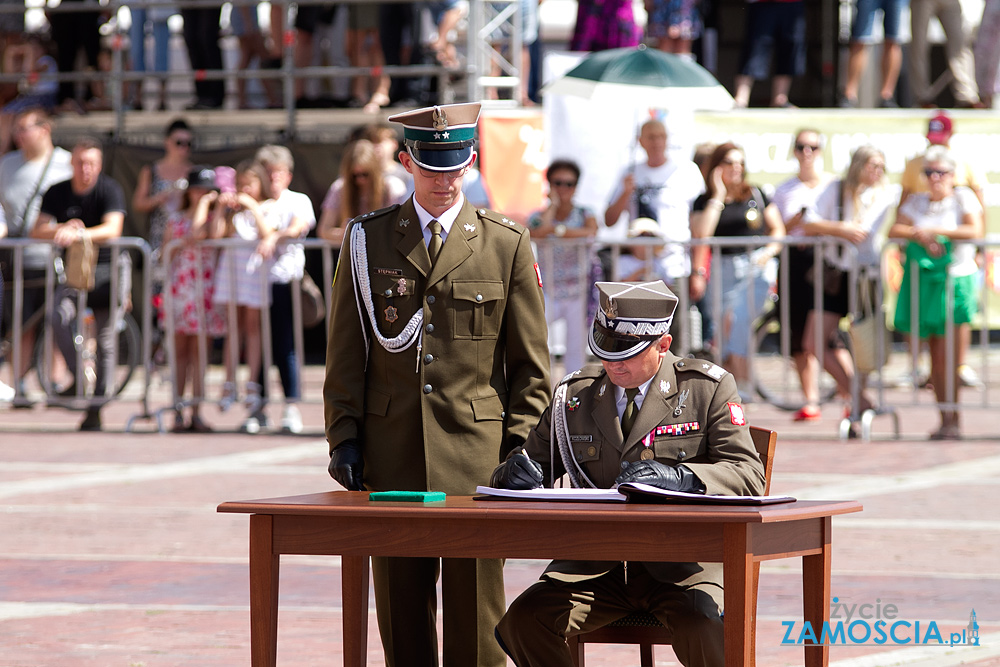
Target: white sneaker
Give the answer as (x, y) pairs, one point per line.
(291, 420)
(7, 393)
(251, 425)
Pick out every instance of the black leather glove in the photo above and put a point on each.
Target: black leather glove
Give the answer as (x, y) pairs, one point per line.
(517, 472)
(654, 473)
(347, 465)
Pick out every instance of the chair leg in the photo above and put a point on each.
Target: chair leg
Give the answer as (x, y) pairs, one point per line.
(646, 655)
(576, 649)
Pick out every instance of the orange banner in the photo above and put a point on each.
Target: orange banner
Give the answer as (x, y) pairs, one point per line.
(513, 161)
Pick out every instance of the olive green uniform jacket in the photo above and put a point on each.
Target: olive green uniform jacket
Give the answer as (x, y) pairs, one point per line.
(442, 413)
(694, 414)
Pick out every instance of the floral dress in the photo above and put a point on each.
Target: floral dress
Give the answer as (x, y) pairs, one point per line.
(188, 296)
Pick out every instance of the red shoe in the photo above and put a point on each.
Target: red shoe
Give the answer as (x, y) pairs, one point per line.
(807, 414)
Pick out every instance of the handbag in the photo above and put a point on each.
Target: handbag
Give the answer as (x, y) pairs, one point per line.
(866, 328)
(81, 264)
(313, 303)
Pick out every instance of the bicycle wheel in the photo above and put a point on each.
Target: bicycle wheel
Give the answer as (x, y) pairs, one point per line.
(129, 356)
(774, 374)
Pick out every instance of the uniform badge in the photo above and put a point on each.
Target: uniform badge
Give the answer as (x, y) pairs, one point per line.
(404, 222)
(603, 388)
(401, 286)
(391, 315)
(680, 402)
(572, 404)
(440, 119)
(611, 310)
(538, 274)
(646, 455)
(664, 386)
(581, 438)
(469, 228)
(678, 429)
(736, 414)
(715, 371)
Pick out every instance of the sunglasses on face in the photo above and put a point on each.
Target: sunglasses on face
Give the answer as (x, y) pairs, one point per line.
(936, 173)
(812, 147)
(563, 184)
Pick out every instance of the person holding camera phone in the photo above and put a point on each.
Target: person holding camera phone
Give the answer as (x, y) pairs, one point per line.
(240, 215)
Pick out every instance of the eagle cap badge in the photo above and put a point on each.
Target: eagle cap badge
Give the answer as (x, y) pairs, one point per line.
(611, 310)
(440, 119)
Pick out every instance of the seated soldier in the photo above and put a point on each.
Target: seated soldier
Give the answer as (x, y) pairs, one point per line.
(649, 417)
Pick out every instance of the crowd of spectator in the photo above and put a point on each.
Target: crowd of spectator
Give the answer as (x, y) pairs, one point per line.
(773, 47)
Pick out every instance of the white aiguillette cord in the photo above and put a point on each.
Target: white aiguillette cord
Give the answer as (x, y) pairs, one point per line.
(560, 434)
(363, 293)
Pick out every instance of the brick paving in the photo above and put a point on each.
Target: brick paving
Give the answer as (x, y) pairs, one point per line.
(112, 552)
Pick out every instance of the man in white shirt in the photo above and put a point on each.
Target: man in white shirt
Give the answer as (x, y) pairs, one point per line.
(663, 190)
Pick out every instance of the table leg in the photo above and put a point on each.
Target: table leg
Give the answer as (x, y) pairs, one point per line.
(737, 573)
(816, 596)
(264, 566)
(354, 594)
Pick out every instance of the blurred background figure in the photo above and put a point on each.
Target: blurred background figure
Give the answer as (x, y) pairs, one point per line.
(73, 31)
(852, 209)
(201, 34)
(935, 223)
(160, 186)
(364, 48)
(31, 59)
(732, 207)
(239, 215)
(778, 28)
(243, 20)
(674, 25)
(862, 29)
(152, 20)
(957, 51)
(566, 268)
(361, 187)
(987, 53)
(604, 24)
(192, 289)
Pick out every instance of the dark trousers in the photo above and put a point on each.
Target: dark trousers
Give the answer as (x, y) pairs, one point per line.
(201, 34)
(70, 33)
(283, 342)
(406, 603)
(395, 20)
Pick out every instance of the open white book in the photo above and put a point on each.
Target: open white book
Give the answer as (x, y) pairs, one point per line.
(632, 492)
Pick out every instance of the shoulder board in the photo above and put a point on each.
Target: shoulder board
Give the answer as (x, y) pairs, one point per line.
(499, 218)
(590, 372)
(713, 371)
(374, 214)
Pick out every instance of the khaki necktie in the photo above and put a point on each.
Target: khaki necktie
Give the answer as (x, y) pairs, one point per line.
(631, 410)
(434, 247)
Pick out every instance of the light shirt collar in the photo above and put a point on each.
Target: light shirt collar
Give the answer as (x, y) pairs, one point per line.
(620, 400)
(447, 219)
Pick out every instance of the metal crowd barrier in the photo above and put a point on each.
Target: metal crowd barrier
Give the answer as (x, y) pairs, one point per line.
(264, 285)
(782, 376)
(119, 304)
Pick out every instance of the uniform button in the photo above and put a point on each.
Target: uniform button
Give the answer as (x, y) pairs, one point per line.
(430, 299)
(503, 415)
(680, 364)
(428, 358)
(681, 454)
(479, 297)
(429, 328)
(482, 211)
(388, 292)
(428, 389)
(624, 464)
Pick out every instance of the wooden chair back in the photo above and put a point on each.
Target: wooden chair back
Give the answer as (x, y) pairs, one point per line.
(644, 629)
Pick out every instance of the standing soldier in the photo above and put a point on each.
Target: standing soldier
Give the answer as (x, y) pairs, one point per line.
(437, 368)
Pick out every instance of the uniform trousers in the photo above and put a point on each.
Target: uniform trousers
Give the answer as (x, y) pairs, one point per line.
(956, 49)
(535, 628)
(406, 606)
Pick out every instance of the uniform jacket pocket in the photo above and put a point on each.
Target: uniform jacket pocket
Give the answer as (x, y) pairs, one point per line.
(477, 308)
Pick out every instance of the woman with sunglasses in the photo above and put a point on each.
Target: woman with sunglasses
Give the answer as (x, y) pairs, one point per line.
(935, 223)
(566, 268)
(362, 187)
(793, 198)
(851, 210)
(161, 185)
(730, 208)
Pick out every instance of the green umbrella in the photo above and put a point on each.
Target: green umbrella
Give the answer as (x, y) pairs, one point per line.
(647, 75)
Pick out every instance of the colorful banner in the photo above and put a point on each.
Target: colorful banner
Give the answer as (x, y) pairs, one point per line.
(513, 161)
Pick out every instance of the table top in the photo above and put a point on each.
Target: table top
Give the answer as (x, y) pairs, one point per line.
(345, 504)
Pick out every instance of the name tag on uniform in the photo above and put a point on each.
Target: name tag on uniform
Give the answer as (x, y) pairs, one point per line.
(389, 272)
(581, 438)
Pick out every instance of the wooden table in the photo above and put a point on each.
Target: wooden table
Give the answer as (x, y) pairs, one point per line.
(346, 523)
